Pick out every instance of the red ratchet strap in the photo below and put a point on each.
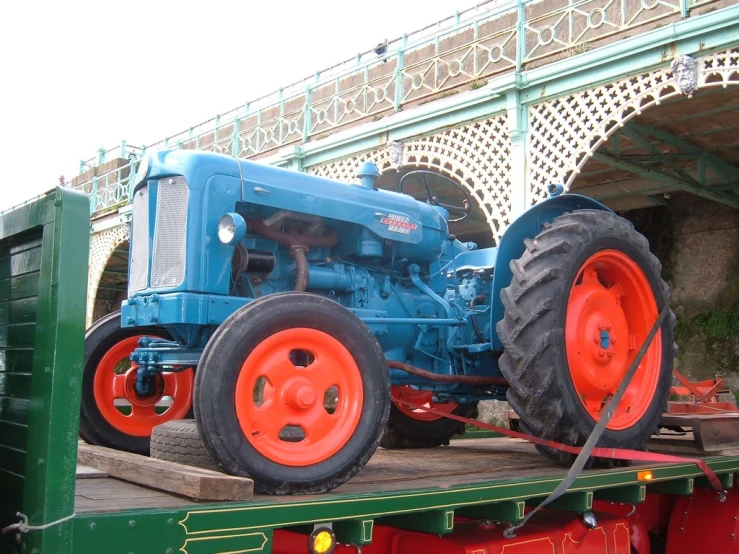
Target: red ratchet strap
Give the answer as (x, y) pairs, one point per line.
(610, 453)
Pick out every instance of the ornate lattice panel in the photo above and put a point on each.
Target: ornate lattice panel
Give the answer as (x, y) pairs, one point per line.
(566, 131)
(476, 155)
(552, 27)
(102, 245)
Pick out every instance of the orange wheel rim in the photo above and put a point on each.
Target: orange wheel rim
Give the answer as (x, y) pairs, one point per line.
(123, 408)
(299, 397)
(610, 310)
(421, 398)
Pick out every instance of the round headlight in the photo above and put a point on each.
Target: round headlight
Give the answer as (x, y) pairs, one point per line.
(231, 228)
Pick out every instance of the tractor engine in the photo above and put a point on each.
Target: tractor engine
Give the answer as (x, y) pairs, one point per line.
(387, 258)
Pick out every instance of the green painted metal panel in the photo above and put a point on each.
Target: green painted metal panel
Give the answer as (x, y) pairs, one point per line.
(630, 494)
(159, 530)
(727, 480)
(354, 531)
(436, 522)
(43, 277)
(507, 512)
(679, 487)
(579, 501)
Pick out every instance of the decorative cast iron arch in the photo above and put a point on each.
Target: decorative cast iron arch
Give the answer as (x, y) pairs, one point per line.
(567, 131)
(476, 155)
(102, 247)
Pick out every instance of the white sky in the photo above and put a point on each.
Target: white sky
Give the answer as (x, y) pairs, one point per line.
(76, 75)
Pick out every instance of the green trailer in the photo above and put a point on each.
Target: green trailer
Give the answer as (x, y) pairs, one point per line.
(460, 498)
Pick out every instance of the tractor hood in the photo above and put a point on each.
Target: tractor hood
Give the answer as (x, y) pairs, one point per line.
(391, 215)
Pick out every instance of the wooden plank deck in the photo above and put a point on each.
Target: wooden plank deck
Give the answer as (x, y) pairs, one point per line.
(467, 461)
(463, 461)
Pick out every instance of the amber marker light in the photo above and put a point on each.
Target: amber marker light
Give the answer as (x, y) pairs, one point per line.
(644, 476)
(322, 541)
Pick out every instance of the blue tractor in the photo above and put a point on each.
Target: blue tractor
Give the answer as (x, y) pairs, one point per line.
(303, 321)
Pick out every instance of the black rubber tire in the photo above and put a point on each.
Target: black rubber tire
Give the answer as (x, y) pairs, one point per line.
(179, 441)
(219, 367)
(532, 331)
(94, 428)
(405, 432)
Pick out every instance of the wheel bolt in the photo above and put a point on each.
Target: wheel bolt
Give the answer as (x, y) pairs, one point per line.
(609, 327)
(610, 353)
(601, 353)
(596, 340)
(304, 397)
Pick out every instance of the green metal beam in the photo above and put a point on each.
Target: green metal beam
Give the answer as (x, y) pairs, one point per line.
(631, 131)
(678, 487)
(577, 501)
(354, 531)
(666, 178)
(726, 171)
(438, 522)
(507, 512)
(630, 494)
(727, 480)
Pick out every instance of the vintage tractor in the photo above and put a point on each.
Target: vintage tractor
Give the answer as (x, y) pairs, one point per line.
(297, 317)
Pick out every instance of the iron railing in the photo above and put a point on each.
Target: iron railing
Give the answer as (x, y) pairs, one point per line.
(463, 50)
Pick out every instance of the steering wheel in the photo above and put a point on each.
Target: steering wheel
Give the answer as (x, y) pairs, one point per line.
(464, 210)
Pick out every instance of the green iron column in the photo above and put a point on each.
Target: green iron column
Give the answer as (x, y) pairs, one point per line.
(518, 123)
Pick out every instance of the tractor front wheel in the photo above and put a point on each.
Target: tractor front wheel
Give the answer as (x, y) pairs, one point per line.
(292, 390)
(415, 428)
(112, 413)
(584, 296)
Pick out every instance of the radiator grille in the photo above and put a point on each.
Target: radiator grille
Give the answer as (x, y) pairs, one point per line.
(139, 241)
(170, 233)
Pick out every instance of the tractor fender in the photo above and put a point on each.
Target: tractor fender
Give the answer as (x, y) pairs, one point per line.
(511, 245)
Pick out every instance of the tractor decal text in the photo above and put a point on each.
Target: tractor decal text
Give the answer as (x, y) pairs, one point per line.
(399, 224)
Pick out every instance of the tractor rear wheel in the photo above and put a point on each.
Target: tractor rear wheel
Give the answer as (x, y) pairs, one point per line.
(112, 413)
(583, 297)
(293, 391)
(409, 428)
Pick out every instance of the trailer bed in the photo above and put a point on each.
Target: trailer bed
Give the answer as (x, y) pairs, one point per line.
(467, 462)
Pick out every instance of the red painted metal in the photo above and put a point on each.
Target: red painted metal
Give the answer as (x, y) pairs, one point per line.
(700, 523)
(550, 532)
(293, 394)
(702, 396)
(421, 397)
(111, 385)
(711, 408)
(599, 452)
(715, 423)
(610, 311)
(650, 517)
(699, 391)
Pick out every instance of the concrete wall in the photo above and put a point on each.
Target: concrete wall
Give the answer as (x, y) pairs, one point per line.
(697, 241)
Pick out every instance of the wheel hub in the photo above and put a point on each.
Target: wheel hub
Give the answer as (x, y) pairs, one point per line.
(600, 362)
(610, 309)
(300, 394)
(147, 392)
(129, 411)
(281, 397)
